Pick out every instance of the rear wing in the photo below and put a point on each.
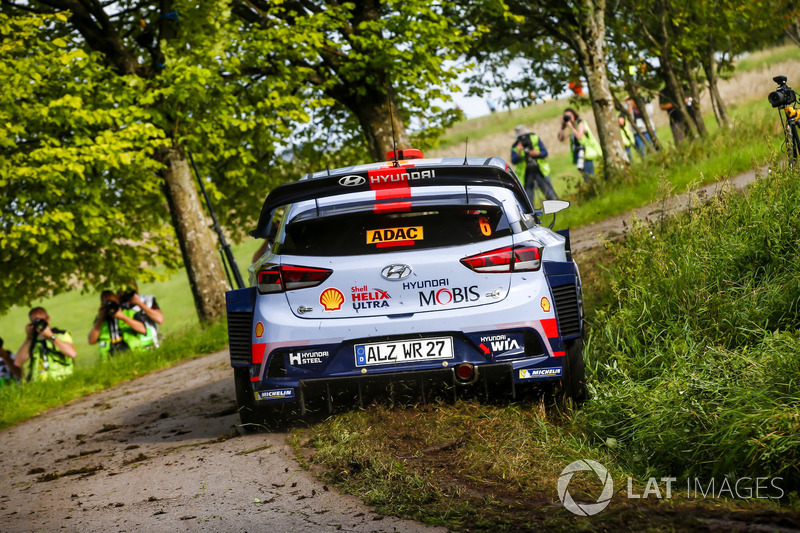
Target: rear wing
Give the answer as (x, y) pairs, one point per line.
(391, 185)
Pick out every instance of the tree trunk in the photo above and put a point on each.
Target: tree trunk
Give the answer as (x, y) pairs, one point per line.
(697, 113)
(592, 56)
(200, 256)
(720, 109)
(670, 78)
(640, 103)
(375, 112)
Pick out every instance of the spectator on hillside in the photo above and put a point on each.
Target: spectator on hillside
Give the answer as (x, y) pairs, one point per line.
(583, 145)
(130, 299)
(529, 154)
(668, 102)
(627, 135)
(9, 372)
(47, 352)
(117, 330)
(638, 119)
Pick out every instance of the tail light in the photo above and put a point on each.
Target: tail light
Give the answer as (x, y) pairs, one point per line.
(281, 278)
(519, 258)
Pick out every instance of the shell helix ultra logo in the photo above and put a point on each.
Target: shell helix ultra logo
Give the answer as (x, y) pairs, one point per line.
(585, 509)
(331, 299)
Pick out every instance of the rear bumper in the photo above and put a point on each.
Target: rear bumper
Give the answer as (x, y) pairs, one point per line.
(325, 389)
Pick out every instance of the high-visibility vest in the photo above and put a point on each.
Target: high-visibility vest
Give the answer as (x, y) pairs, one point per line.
(588, 141)
(520, 167)
(122, 339)
(46, 361)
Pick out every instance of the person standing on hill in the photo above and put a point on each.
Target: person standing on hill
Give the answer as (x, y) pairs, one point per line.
(583, 145)
(9, 372)
(151, 314)
(529, 150)
(48, 351)
(627, 135)
(117, 330)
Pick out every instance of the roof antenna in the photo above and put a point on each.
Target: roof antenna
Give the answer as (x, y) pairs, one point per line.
(466, 144)
(328, 169)
(394, 138)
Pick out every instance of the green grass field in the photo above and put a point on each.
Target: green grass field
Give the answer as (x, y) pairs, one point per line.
(75, 311)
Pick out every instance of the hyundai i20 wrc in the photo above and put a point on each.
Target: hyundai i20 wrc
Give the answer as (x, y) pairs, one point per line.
(400, 271)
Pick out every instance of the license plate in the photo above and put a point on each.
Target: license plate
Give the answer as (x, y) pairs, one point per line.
(385, 353)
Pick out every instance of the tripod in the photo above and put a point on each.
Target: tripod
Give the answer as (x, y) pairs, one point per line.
(792, 143)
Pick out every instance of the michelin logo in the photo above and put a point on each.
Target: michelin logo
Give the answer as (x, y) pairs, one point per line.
(275, 394)
(529, 373)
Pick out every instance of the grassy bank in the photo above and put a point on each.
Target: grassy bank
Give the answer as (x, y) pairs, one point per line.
(24, 401)
(694, 369)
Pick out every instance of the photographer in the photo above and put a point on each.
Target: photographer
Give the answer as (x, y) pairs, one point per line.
(146, 307)
(528, 149)
(583, 144)
(116, 329)
(48, 351)
(9, 372)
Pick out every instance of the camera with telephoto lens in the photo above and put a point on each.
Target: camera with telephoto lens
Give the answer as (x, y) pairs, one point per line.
(525, 141)
(566, 118)
(39, 324)
(784, 95)
(111, 307)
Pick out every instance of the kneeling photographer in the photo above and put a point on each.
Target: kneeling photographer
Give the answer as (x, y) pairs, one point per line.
(47, 352)
(116, 329)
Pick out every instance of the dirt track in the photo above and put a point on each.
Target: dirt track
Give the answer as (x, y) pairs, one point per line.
(162, 453)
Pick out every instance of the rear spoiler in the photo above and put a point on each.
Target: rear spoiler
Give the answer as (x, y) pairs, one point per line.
(387, 180)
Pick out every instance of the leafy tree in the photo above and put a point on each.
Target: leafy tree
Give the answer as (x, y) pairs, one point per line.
(561, 40)
(158, 79)
(381, 61)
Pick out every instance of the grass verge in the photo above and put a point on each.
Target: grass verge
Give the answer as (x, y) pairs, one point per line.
(29, 399)
(693, 351)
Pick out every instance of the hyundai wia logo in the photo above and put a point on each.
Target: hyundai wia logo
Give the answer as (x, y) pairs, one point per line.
(352, 181)
(392, 272)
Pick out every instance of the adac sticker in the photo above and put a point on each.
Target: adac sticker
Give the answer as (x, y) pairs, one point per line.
(545, 303)
(331, 299)
(259, 330)
(530, 373)
(394, 236)
(275, 394)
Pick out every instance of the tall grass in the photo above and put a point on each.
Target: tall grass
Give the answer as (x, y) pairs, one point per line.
(28, 399)
(696, 367)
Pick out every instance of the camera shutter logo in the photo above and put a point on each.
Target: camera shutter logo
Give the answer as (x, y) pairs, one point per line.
(352, 181)
(585, 509)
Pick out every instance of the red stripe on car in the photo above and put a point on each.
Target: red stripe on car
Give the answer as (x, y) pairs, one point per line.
(258, 353)
(550, 327)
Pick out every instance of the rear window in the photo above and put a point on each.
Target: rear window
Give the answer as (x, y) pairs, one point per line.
(367, 232)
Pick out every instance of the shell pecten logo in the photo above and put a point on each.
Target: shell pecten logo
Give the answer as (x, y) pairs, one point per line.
(545, 303)
(331, 299)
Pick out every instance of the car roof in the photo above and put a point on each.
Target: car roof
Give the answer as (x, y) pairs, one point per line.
(392, 180)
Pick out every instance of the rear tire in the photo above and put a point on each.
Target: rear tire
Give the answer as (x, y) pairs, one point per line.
(250, 416)
(573, 380)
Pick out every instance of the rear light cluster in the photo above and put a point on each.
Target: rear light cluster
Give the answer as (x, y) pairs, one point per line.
(519, 258)
(281, 278)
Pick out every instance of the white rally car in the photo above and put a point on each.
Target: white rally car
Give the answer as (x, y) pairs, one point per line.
(405, 270)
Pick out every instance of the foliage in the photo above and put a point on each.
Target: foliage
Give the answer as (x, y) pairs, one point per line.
(90, 121)
(695, 367)
(75, 168)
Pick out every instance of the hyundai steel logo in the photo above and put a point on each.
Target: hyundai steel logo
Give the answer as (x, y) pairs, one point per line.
(352, 181)
(393, 272)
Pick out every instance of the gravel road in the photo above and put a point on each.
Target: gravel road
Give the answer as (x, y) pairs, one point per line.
(162, 453)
